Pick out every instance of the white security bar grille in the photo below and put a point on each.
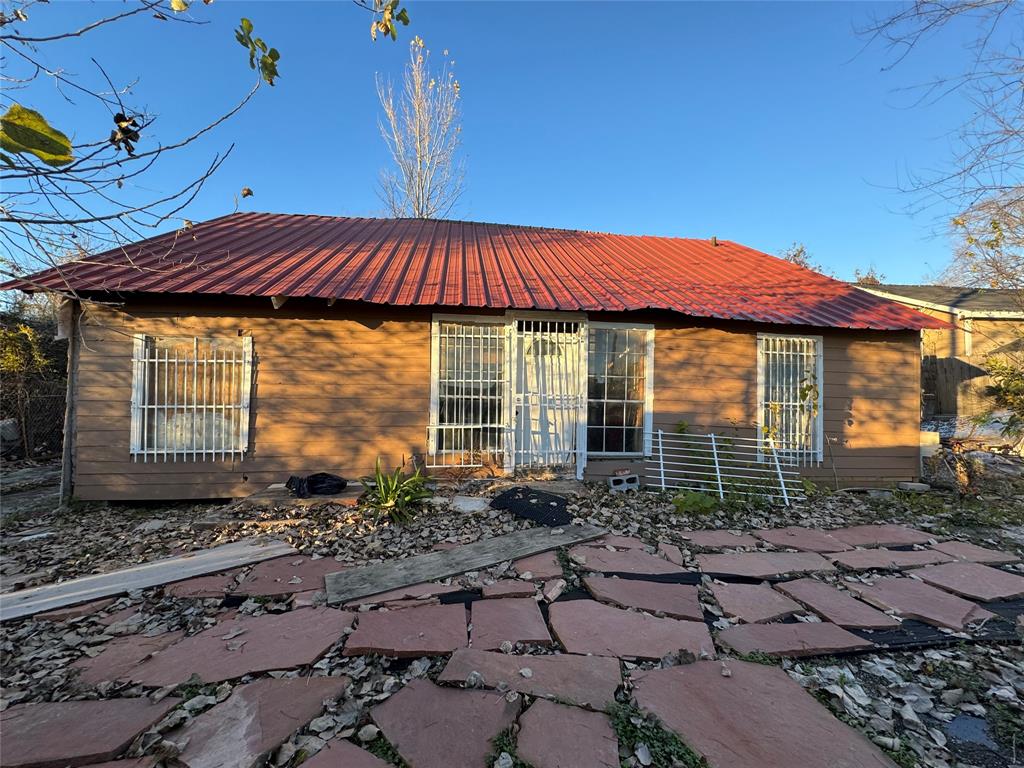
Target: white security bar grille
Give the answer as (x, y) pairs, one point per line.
(549, 392)
(790, 396)
(727, 467)
(190, 398)
(468, 425)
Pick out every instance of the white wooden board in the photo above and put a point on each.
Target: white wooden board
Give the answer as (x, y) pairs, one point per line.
(15, 605)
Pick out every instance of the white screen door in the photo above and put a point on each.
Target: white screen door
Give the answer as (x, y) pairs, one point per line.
(549, 392)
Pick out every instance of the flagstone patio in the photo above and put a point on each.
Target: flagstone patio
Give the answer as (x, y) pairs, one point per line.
(636, 621)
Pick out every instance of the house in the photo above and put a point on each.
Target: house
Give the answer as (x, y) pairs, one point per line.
(218, 359)
(981, 322)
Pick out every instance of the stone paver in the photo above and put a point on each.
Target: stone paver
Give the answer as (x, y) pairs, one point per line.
(886, 535)
(720, 539)
(586, 626)
(73, 733)
(74, 611)
(515, 619)
(964, 550)
(913, 599)
(758, 717)
(284, 575)
(509, 588)
(799, 639)
(671, 552)
(804, 539)
(888, 559)
(679, 601)
(974, 581)
(254, 720)
(617, 542)
(587, 681)
(621, 561)
(214, 586)
(835, 605)
(435, 727)
(122, 655)
(542, 566)
(556, 736)
(247, 644)
(412, 592)
(338, 753)
(753, 603)
(764, 565)
(428, 631)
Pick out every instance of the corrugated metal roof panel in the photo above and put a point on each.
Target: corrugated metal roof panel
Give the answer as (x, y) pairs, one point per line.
(468, 264)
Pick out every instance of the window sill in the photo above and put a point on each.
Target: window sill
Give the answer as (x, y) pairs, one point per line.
(592, 455)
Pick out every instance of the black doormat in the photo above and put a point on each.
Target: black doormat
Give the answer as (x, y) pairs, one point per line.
(538, 506)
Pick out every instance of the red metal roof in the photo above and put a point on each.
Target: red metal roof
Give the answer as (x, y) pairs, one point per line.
(467, 264)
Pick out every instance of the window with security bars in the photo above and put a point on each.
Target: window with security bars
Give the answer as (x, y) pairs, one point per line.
(190, 398)
(617, 386)
(789, 392)
(468, 426)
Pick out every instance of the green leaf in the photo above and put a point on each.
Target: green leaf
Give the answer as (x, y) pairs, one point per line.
(247, 26)
(25, 131)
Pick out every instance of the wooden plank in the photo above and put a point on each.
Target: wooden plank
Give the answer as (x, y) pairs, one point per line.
(383, 577)
(15, 605)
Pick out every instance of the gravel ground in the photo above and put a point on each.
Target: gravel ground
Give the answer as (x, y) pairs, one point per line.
(958, 706)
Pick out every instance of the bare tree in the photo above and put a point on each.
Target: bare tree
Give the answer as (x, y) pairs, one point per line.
(870, 276)
(989, 251)
(422, 130)
(798, 254)
(984, 179)
(990, 158)
(61, 199)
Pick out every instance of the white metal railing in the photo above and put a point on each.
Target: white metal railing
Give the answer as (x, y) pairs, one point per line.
(724, 466)
(190, 398)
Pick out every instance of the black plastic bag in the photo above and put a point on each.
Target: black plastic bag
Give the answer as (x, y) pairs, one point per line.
(317, 484)
(539, 506)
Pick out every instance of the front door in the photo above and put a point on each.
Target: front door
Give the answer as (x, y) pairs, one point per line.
(550, 370)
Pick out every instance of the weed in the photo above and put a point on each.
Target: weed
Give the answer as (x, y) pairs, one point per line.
(969, 681)
(566, 563)
(505, 742)
(395, 496)
(382, 748)
(760, 657)
(694, 502)
(1007, 724)
(904, 757)
(634, 727)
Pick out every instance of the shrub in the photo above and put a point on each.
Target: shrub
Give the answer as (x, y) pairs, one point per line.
(695, 502)
(395, 496)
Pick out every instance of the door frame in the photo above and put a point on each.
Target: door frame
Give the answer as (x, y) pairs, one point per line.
(512, 358)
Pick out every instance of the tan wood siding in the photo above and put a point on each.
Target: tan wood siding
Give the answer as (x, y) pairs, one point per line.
(871, 392)
(336, 387)
(332, 392)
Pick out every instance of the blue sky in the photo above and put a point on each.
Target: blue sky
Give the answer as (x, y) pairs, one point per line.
(764, 123)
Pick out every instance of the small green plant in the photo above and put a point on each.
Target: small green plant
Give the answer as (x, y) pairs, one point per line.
(1007, 724)
(682, 427)
(382, 748)
(694, 502)
(633, 727)
(505, 742)
(395, 496)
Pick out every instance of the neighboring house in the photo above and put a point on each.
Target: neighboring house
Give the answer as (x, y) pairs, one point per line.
(221, 358)
(983, 322)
